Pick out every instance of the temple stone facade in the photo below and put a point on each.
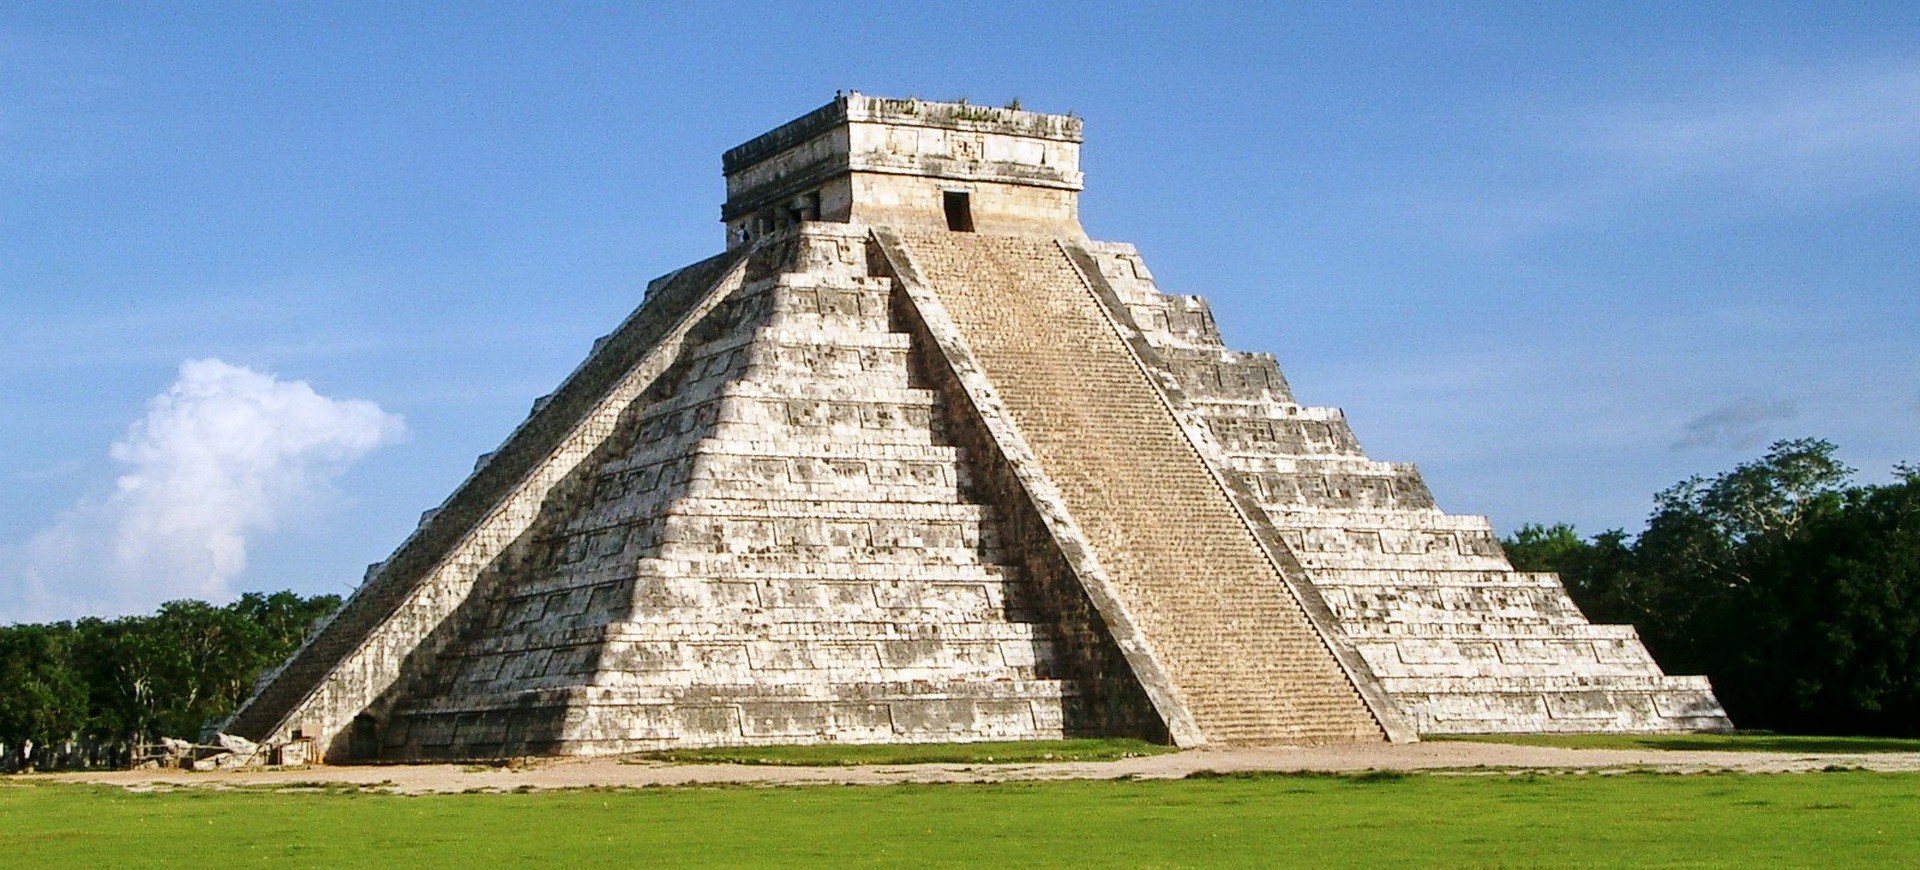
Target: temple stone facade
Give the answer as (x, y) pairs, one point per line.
(915, 460)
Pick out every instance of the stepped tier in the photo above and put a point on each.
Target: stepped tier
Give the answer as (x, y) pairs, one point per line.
(770, 539)
(914, 460)
(793, 441)
(1461, 641)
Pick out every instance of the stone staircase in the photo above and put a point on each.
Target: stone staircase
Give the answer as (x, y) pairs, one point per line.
(1459, 639)
(1243, 654)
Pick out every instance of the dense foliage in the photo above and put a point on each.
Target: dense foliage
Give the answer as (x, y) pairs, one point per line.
(97, 683)
(1796, 590)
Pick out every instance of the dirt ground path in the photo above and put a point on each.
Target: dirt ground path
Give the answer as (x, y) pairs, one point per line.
(609, 772)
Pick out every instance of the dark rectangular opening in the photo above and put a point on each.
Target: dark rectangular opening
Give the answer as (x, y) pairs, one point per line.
(959, 211)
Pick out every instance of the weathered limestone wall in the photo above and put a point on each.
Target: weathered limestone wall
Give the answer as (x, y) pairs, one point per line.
(406, 610)
(1461, 641)
(778, 546)
(889, 162)
(997, 209)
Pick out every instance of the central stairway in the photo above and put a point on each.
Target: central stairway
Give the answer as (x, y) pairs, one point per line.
(1242, 652)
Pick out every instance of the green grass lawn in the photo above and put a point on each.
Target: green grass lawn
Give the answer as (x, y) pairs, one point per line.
(1851, 819)
(1737, 742)
(1010, 752)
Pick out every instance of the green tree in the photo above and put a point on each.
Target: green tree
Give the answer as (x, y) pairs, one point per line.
(42, 699)
(285, 616)
(1759, 499)
(1704, 546)
(190, 663)
(1543, 548)
(1795, 591)
(1832, 616)
(113, 682)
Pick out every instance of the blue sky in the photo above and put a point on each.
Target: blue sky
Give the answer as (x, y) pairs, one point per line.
(1560, 259)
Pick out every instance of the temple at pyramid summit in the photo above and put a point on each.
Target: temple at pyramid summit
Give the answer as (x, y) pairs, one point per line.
(914, 459)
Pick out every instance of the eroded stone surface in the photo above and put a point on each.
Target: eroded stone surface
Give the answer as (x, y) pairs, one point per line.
(915, 461)
(1463, 642)
(777, 546)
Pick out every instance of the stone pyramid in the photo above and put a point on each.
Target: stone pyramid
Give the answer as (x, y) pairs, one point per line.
(915, 460)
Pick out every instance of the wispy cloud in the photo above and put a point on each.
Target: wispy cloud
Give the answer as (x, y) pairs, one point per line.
(1741, 425)
(224, 454)
(1856, 126)
(1489, 219)
(1798, 139)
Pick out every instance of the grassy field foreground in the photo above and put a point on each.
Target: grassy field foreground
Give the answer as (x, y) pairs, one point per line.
(1827, 819)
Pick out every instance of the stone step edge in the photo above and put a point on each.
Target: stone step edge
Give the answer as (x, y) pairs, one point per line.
(747, 693)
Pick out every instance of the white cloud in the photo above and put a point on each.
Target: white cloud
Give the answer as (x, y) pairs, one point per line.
(224, 454)
(1741, 425)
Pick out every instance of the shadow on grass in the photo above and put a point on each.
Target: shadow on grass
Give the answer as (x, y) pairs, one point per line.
(1372, 775)
(1754, 742)
(1007, 752)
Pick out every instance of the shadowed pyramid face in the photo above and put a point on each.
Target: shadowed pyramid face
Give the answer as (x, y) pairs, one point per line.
(914, 460)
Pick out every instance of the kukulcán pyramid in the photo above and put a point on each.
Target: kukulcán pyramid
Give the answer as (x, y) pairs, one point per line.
(916, 460)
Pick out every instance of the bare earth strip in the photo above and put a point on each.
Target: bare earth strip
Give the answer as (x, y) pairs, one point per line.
(613, 773)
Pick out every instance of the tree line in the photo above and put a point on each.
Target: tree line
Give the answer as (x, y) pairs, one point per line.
(1796, 590)
(1793, 588)
(88, 693)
